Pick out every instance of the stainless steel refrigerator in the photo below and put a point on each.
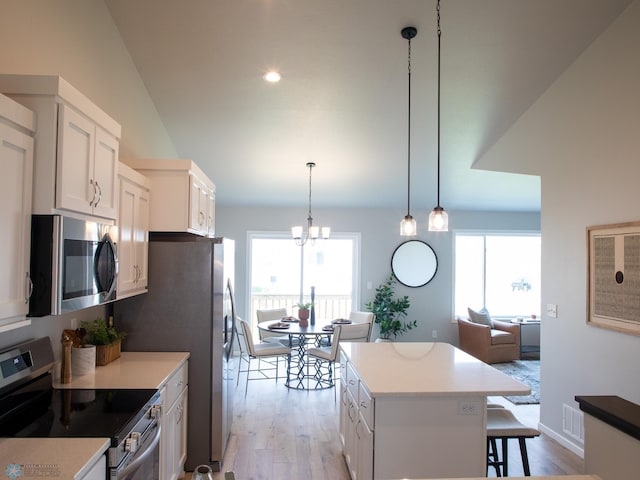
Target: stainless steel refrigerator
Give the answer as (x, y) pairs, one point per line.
(189, 307)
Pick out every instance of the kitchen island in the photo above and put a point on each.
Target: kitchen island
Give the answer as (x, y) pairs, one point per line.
(416, 410)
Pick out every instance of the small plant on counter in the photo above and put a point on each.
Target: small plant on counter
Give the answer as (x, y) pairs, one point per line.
(98, 332)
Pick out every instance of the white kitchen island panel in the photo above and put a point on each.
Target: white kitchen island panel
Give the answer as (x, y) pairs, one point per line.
(425, 404)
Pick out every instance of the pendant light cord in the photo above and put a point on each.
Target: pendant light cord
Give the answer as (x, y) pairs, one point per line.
(439, 34)
(409, 132)
(309, 218)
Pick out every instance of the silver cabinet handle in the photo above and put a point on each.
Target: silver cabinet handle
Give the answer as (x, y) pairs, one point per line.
(95, 192)
(352, 382)
(364, 404)
(29, 285)
(201, 217)
(99, 194)
(136, 269)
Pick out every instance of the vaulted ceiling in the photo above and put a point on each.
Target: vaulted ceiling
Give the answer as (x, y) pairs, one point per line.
(342, 101)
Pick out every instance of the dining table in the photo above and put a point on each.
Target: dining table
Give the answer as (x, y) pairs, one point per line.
(300, 373)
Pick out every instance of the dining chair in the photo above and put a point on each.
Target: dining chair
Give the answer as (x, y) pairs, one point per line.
(360, 318)
(272, 314)
(250, 351)
(324, 359)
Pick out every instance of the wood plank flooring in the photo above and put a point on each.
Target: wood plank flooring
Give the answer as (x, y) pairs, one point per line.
(282, 434)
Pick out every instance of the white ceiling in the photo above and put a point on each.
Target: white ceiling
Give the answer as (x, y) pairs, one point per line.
(342, 102)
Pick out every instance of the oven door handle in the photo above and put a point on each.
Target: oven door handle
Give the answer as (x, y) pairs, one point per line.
(141, 457)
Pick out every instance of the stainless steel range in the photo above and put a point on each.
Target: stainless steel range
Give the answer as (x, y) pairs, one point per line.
(30, 407)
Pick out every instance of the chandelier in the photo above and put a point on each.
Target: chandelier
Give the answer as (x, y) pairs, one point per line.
(313, 232)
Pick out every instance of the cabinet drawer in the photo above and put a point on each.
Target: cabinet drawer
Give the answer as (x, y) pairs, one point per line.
(175, 385)
(366, 405)
(352, 381)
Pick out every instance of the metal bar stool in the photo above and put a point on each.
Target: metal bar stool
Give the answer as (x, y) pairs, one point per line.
(502, 424)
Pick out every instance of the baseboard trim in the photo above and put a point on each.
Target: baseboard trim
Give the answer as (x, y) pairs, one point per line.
(569, 445)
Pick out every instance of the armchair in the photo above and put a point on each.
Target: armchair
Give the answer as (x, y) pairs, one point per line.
(491, 345)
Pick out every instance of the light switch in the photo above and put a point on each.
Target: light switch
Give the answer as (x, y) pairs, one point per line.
(552, 310)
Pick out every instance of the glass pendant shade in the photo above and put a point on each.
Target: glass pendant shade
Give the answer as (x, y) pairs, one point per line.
(326, 231)
(296, 232)
(408, 226)
(314, 232)
(438, 220)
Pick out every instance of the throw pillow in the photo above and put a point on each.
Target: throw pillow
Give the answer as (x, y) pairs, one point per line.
(481, 317)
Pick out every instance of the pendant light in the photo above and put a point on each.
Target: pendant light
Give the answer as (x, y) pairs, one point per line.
(312, 232)
(438, 218)
(408, 224)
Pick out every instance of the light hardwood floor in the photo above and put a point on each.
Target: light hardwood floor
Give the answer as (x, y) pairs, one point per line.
(284, 434)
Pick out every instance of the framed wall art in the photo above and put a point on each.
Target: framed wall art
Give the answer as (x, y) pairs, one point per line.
(614, 277)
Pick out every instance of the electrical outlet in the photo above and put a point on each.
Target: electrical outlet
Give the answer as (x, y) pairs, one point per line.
(469, 408)
(552, 310)
(74, 323)
(434, 333)
(369, 285)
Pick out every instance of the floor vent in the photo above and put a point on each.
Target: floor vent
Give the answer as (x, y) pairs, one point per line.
(573, 422)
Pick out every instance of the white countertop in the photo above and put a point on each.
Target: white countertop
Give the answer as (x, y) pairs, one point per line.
(67, 458)
(426, 369)
(131, 370)
(554, 477)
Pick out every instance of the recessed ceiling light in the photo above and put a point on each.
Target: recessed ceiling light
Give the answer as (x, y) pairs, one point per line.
(272, 76)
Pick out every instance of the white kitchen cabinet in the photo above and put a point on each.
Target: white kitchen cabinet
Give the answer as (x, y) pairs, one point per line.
(358, 435)
(76, 161)
(182, 198)
(133, 232)
(16, 163)
(173, 443)
(97, 470)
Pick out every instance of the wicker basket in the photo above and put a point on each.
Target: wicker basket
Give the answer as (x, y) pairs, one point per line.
(107, 353)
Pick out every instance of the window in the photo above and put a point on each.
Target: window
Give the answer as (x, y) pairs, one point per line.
(500, 272)
(282, 274)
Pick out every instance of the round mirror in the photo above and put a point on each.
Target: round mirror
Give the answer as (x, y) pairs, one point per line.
(414, 263)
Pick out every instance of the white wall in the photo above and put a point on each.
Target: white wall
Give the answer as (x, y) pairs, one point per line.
(431, 305)
(583, 136)
(78, 40)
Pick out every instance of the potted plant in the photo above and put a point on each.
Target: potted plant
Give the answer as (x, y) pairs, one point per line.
(83, 355)
(106, 339)
(303, 313)
(389, 311)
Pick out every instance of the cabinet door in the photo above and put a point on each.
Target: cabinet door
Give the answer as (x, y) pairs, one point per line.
(198, 204)
(105, 174)
(211, 211)
(127, 271)
(180, 436)
(364, 437)
(141, 238)
(16, 163)
(351, 439)
(76, 149)
(133, 227)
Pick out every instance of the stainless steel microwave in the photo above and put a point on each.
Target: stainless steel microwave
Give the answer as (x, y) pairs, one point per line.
(73, 264)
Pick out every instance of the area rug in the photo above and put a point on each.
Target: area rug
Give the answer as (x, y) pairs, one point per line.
(527, 371)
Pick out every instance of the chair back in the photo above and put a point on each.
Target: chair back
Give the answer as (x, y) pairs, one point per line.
(248, 338)
(335, 342)
(356, 332)
(361, 317)
(272, 314)
(242, 340)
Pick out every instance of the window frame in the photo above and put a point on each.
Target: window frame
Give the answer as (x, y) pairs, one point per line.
(486, 233)
(355, 237)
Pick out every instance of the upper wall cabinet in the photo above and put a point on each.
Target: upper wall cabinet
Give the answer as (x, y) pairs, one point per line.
(76, 160)
(133, 232)
(17, 126)
(182, 196)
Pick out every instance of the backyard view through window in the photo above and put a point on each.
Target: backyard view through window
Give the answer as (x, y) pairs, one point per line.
(500, 272)
(282, 274)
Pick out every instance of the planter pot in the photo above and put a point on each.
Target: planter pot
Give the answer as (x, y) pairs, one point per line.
(83, 360)
(303, 315)
(108, 353)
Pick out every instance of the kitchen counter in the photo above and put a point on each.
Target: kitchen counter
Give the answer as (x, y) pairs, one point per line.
(426, 369)
(72, 457)
(68, 458)
(131, 370)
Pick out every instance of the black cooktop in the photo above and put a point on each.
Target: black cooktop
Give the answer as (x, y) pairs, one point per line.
(37, 410)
